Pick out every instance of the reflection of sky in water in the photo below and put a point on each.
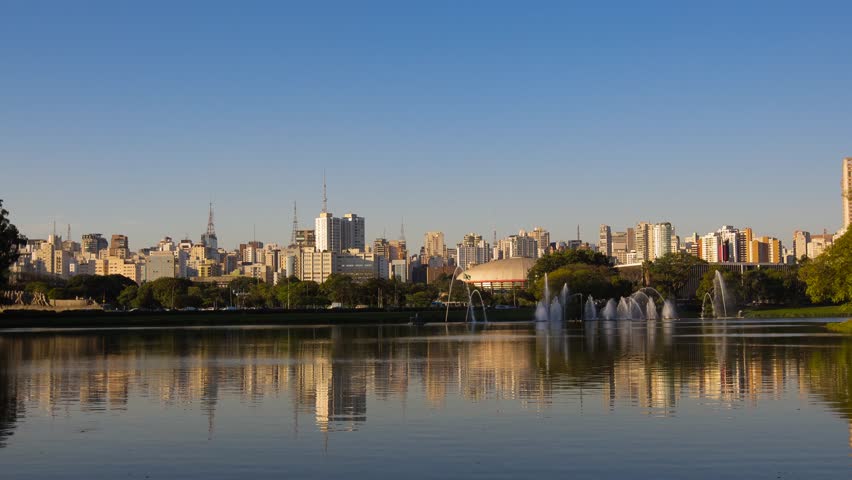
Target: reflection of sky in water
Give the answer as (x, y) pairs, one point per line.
(702, 399)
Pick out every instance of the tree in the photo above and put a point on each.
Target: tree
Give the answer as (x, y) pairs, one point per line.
(552, 261)
(671, 272)
(829, 276)
(127, 297)
(10, 243)
(339, 288)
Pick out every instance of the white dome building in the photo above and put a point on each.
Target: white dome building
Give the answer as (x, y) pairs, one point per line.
(499, 275)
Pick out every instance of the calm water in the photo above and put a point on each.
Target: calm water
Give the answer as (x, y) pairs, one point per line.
(680, 399)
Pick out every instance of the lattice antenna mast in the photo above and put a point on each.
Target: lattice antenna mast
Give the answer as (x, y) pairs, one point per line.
(402, 230)
(211, 230)
(295, 225)
(324, 194)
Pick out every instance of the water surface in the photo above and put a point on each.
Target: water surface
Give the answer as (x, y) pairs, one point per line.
(664, 399)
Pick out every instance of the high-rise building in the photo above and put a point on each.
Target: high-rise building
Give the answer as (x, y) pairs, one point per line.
(801, 239)
(327, 231)
(306, 238)
(846, 189)
(352, 232)
(473, 250)
(434, 246)
(605, 240)
(662, 240)
(644, 242)
(119, 246)
(93, 243)
(542, 238)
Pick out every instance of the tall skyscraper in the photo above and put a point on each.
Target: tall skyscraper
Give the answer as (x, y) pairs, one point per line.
(644, 242)
(605, 240)
(663, 233)
(433, 243)
(846, 186)
(352, 232)
(327, 231)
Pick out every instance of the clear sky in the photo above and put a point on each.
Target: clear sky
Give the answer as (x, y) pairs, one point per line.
(128, 117)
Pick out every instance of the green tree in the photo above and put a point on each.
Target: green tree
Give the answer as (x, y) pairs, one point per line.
(127, 297)
(829, 276)
(671, 272)
(340, 288)
(552, 261)
(10, 243)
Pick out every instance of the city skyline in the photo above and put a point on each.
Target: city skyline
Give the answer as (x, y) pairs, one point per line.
(457, 118)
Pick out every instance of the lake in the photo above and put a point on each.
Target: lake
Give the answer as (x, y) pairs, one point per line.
(662, 399)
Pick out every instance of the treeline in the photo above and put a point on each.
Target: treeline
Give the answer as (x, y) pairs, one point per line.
(244, 292)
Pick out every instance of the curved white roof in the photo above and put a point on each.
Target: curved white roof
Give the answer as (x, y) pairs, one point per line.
(507, 270)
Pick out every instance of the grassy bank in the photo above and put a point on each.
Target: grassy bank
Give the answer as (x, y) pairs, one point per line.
(841, 327)
(801, 312)
(100, 319)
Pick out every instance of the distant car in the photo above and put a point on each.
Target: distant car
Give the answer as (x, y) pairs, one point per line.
(335, 305)
(229, 309)
(189, 309)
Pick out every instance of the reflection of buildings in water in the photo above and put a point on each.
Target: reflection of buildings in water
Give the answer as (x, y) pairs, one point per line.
(330, 375)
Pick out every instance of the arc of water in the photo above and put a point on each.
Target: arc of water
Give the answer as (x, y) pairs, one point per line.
(481, 303)
(450, 294)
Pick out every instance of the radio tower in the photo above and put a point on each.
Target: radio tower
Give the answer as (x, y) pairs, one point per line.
(324, 196)
(295, 226)
(211, 230)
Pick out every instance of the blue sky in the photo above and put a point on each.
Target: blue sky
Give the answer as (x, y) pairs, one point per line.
(121, 117)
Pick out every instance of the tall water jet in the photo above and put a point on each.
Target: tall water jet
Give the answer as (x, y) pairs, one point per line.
(669, 310)
(635, 310)
(721, 296)
(556, 311)
(590, 312)
(623, 310)
(651, 310)
(549, 309)
(563, 295)
(610, 311)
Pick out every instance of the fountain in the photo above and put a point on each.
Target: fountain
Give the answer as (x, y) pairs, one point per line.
(720, 299)
(450, 293)
(551, 309)
(470, 308)
(669, 310)
(610, 311)
(590, 312)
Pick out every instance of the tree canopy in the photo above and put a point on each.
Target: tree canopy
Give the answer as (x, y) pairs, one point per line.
(10, 243)
(829, 276)
(671, 272)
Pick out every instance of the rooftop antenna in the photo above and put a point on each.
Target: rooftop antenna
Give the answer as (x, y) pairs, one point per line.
(384, 233)
(295, 225)
(402, 230)
(69, 232)
(578, 232)
(54, 229)
(324, 196)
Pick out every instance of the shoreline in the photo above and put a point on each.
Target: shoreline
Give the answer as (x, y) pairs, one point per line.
(23, 319)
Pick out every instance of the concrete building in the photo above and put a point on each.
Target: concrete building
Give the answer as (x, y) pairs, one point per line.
(433, 243)
(360, 266)
(315, 265)
(605, 240)
(818, 244)
(93, 243)
(542, 238)
(801, 239)
(399, 270)
(352, 233)
(306, 238)
(119, 246)
(664, 241)
(644, 238)
(160, 265)
(327, 231)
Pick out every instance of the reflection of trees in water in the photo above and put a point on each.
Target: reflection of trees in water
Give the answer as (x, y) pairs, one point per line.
(330, 372)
